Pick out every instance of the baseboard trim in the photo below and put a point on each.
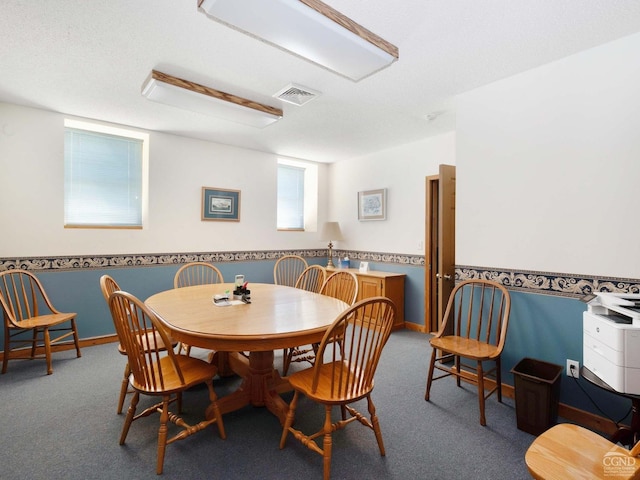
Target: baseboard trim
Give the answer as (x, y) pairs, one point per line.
(25, 353)
(415, 327)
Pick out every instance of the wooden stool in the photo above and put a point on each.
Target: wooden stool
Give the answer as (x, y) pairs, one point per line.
(568, 451)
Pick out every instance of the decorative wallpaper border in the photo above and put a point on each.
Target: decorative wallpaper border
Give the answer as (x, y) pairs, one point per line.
(397, 258)
(566, 285)
(146, 260)
(547, 283)
(159, 259)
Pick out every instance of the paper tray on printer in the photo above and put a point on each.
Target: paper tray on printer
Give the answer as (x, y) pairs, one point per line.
(627, 304)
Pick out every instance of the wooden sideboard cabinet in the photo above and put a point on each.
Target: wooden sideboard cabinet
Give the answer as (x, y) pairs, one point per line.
(375, 283)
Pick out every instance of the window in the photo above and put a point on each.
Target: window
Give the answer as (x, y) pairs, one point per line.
(290, 197)
(297, 195)
(104, 176)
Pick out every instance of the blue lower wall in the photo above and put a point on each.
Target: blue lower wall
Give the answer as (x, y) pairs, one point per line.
(545, 324)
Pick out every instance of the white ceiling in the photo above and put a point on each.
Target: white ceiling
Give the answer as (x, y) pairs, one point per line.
(89, 58)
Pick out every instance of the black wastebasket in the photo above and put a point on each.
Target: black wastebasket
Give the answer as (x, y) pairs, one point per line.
(537, 386)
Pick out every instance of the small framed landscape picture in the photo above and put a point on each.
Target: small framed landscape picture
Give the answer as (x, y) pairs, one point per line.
(372, 205)
(220, 204)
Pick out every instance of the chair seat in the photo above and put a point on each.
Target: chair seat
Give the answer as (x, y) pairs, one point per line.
(569, 451)
(303, 379)
(147, 341)
(466, 347)
(194, 370)
(42, 321)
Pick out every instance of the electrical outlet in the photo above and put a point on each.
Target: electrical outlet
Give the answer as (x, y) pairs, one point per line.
(573, 368)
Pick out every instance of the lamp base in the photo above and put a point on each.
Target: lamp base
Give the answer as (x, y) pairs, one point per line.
(330, 259)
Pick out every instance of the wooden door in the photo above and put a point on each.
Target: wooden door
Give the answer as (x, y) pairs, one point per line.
(439, 244)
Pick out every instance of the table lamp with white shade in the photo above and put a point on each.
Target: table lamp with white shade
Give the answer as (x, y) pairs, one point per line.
(331, 231)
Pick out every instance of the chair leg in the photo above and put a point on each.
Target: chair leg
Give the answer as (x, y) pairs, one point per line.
(499, 379)
(7, 352)
(483, 420)
(76, 338)
(213, 400)
(130, 414)
(457, 365)
(47, 350)
(291, 415)
(286, 360)
(124, 388)
(430, 374)
(376, 424)
(162, 433)
(327, 442)
(34, 342)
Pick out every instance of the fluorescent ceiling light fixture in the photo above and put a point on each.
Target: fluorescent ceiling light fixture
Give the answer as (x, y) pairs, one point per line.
(309, 29)
(162, 88)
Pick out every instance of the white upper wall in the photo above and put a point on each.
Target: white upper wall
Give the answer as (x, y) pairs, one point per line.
(32, 191)
(402, 172)
(549, 164)
(32, 165)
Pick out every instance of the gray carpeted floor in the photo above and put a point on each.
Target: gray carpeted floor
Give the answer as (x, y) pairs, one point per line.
(64, 426)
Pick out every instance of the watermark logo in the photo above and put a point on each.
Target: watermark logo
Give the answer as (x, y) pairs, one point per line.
(618, 464)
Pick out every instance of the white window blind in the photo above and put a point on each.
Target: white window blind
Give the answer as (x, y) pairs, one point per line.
(290, 197)
(103, 179)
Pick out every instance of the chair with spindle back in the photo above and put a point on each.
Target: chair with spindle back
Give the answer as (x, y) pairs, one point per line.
(108, 286)
(342, 285)
(288, 269)
(311, 280)
(159, 374)
(343, 373)
(196, 273)
(474, 327)
(30, 319)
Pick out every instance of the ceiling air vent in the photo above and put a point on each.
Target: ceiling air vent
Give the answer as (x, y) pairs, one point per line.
(296, 94)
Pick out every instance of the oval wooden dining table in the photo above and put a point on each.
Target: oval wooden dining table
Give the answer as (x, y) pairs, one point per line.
(278, 317)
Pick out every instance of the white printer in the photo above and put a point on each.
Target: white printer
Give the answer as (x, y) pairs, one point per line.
(611, 340)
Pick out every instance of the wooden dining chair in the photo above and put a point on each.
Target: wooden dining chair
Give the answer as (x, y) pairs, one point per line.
(342, 285)
(108, 286)
(158, 373)
(474, 327)
(196, 273)
(342, 375)
(570, 451)
(30, 319)
(311, 279)
(288, 269)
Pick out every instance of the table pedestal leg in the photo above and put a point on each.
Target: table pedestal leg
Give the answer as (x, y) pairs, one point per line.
(261, 383)
(221, 360)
